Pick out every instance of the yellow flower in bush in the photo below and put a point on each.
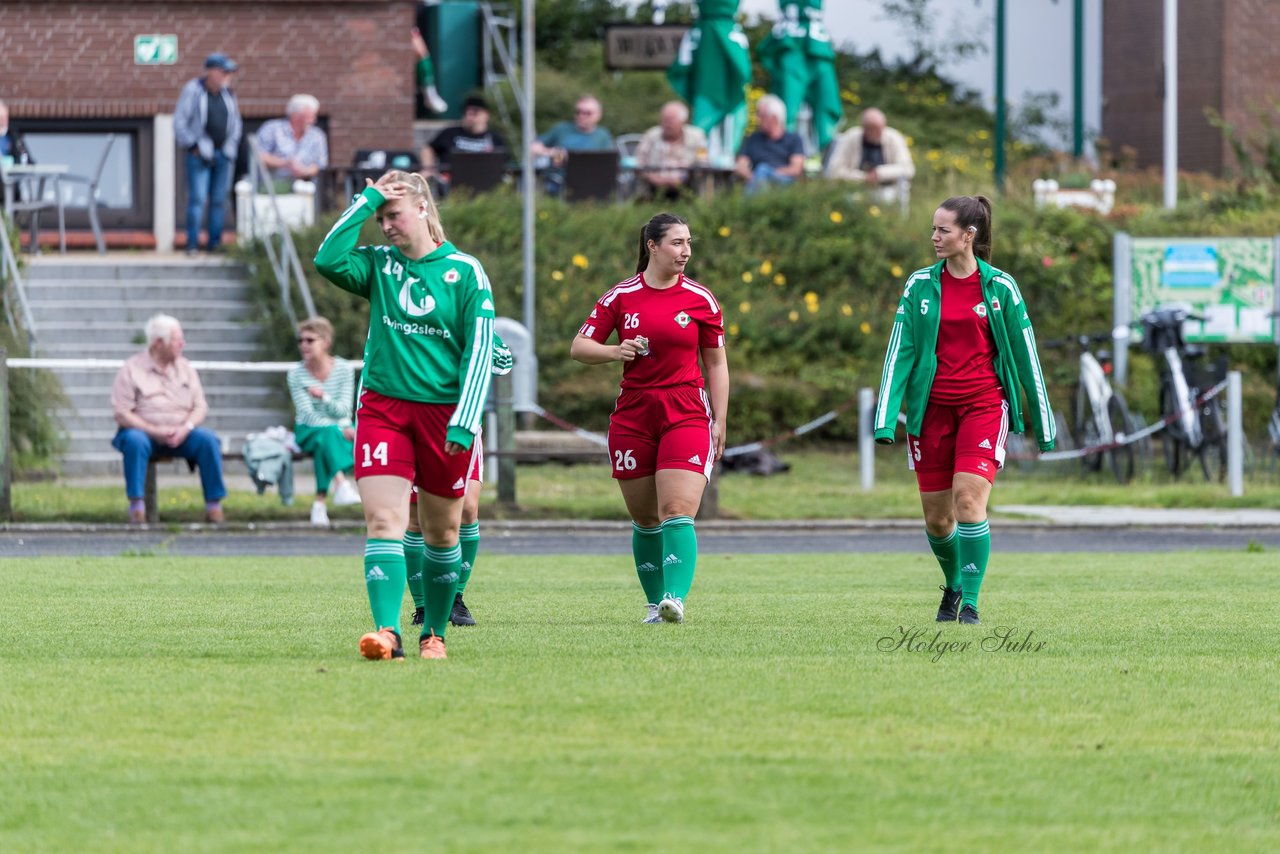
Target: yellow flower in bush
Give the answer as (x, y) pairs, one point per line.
(744, 307)
(837, 217)
(580, 261)
(873, 210)
(865, 327)
(933, 155)
(746, 276)
(723, 231)
(896, 271)
(846, 310)
(557, 276)
(793, 316)
(766, 267)
(733, 329)
(779, 279)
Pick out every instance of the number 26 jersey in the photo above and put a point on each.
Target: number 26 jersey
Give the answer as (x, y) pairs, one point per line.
(678, 321)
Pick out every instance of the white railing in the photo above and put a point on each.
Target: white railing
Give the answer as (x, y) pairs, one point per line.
(270, 224)
(11, 274)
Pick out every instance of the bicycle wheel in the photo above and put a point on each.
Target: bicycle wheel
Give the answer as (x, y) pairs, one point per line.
(1213, 450)
(1171, 437)
(1086, 428)
(1123, 457)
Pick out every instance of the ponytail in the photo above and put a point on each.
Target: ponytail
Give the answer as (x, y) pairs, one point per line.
(655, 229)
(973, 212)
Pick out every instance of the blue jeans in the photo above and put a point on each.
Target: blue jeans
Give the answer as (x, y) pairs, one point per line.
(207, 182)
(765, 174)
(200, 447)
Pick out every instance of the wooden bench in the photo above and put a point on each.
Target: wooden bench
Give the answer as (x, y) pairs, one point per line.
(149, 493)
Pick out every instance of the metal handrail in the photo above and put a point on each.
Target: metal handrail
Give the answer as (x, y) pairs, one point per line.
(9, 270)
(285, 263)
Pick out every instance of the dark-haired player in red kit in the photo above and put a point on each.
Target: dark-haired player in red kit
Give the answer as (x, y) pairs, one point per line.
(668, 427)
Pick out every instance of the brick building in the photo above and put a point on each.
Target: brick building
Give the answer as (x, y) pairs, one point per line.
(1228, 60)
(70, 77)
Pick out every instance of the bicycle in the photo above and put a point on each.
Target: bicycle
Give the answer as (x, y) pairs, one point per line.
(1100, 416)
(1191, 429)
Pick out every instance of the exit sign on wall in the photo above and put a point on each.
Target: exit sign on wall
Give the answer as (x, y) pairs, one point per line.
(155, 49)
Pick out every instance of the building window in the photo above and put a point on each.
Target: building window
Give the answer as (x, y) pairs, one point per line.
(82, 153)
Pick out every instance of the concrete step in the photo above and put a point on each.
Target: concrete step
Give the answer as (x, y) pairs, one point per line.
(108, 462)
(101, 378)
(137, 312)
(89, 334)
(144, 291)
(195, 351)
(247, 395)
(104, 271)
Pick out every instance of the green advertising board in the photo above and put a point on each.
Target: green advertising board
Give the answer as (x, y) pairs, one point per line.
(1230, 281)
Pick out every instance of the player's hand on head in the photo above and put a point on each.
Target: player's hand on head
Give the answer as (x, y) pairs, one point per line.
(388, 188)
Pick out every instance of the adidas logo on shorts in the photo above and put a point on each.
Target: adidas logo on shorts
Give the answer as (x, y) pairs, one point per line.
(696, 460)
(461, 484)
(985, 443)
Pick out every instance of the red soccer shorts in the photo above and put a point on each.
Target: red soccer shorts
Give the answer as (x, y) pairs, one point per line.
(662, 428)
(476, 473)
(405, 439)
(963, 437)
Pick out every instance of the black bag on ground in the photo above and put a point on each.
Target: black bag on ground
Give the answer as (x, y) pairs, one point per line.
(763, 463)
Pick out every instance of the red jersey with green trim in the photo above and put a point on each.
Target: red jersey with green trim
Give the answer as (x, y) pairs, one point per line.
(679, 321)
(966, 347)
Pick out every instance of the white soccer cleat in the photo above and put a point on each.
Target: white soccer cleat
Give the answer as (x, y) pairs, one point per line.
(652, 616)
(319, 515)
(671, 609)
(346, 494)
(438, 104)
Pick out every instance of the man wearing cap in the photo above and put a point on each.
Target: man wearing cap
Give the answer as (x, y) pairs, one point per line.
(207, 126)
(473, 134)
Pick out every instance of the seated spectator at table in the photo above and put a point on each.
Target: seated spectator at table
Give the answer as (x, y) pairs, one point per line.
(584, 133)
(159, 403)
(11, 144)
(293, 148)
(872, 154)
(472, 135)
(322, 387)
(666, 152)
(771, 155)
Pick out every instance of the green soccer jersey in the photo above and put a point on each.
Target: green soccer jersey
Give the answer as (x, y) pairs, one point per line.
(430, 319)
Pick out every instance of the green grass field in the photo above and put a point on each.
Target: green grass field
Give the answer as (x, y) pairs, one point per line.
(157, 704)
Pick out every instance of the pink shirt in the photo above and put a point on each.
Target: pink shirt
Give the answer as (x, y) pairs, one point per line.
(166, 397)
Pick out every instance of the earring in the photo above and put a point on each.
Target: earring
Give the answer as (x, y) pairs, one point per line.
(422, 214)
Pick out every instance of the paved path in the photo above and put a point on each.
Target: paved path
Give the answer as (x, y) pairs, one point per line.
(615, 539)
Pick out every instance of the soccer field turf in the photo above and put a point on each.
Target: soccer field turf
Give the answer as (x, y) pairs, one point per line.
(150, 703)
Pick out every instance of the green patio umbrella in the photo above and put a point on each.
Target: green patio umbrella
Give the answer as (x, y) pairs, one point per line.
(712, 69)
(801, 64)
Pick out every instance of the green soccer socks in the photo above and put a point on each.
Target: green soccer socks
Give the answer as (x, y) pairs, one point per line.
(441, 569)
(646, 548)
(973, 552)
(384, 578)
(469, 540)
(946, 551)
(413, 566)
(680, 555)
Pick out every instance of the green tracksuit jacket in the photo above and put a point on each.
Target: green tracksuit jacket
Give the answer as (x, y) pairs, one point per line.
(911, 360)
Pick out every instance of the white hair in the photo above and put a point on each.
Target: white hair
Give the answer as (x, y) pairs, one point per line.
(680, 108)
(773, 105)
(161, 327)
(298, 103)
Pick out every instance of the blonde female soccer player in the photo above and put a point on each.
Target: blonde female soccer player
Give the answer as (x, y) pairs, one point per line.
(426, 377)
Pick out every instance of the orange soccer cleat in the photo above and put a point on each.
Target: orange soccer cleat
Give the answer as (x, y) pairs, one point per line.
(381, 645)
(431, 645)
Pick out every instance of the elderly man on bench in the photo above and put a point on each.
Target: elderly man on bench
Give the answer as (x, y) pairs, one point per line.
(159, 403)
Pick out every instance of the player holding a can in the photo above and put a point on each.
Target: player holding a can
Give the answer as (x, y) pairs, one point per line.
(667, 429)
